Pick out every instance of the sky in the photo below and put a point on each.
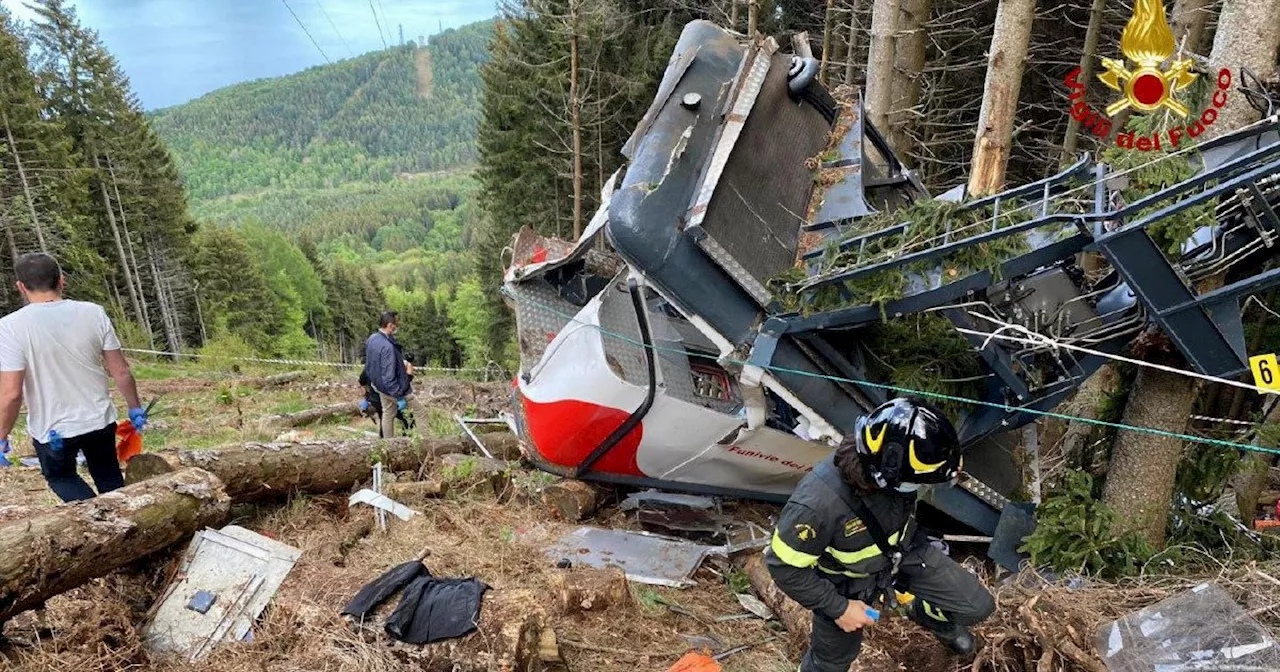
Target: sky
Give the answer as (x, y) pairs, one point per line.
(176, 50)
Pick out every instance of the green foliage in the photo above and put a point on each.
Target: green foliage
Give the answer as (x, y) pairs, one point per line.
(217, 353)
(1153, 171)
(1073, 533)
(469, 322)
(461, 471)
(365, 119)
(924, 352)
(738, 581)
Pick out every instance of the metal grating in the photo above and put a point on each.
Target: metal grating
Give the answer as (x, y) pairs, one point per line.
(759, 203)
(540, 315)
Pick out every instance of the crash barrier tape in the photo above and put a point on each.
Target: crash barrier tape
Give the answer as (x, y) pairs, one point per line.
(492, 368)
(905, 390)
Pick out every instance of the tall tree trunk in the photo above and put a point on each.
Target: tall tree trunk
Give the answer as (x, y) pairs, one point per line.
(22, 177)
(1005, 63)
(733, 14)
(204, 335)
(166, 316)
(828, 26)
(115, 231)
(1141, 474)
(133, 259)
(1188, 21)
(879, 87)
(1087, 62)
(575, 114)
(854, 33)
(753, 17)
(1248, 36)
(909, 61)
(1086, 404)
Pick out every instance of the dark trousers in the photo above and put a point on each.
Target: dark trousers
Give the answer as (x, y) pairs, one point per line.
(946, 596)
(59, 466)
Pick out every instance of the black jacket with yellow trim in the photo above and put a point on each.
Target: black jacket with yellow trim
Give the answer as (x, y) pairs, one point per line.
(820, 543)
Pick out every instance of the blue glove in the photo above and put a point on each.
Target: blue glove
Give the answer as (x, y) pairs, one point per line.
(138, 416)
(400, 404)
(364, 405)
(55, 440)
(873, 614)
(4, 453)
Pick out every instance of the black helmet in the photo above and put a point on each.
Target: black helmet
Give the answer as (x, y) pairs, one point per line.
(908, 441)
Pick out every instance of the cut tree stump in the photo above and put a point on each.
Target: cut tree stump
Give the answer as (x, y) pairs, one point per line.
(309, 416)
(279, 379)
(508, 639)
(589, 589)
(256, 471)
(463, 468)
(144, 466)
(413, 493)
(796, 619)
(571, 500)
(64, 547)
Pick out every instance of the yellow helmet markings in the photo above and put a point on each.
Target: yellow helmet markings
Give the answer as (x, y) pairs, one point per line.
(916, 464)
(874, 443)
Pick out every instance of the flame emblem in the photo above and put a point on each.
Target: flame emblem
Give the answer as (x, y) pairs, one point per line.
(1147, 41)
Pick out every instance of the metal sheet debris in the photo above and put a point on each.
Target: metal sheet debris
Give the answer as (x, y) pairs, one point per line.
(382, 502)
(753, 604)
(232, 574)
(642, 556)
(1199, 629)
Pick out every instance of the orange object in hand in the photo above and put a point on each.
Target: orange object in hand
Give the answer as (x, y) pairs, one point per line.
(129, 441)
(696, 662)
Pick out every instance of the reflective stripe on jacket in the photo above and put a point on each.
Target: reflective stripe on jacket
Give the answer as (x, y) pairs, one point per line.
(819, 541)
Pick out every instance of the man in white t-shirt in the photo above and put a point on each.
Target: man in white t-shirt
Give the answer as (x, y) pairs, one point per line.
(58, 354)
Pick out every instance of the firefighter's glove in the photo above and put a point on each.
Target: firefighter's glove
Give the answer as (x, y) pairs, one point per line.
(138, 416)
(400, 404)
(4, 453)
(364, 405)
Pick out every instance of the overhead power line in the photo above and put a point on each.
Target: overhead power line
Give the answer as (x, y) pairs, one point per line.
(304, 29)
(335, 28)
(377, 23)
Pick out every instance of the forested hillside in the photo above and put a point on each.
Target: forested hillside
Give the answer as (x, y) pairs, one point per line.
(369, 118)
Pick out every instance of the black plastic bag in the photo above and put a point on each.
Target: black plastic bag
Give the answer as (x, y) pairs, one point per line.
(432, 609)
(377, 591)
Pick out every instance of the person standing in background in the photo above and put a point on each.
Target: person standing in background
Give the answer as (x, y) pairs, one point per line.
(58, 354)
(388, 373)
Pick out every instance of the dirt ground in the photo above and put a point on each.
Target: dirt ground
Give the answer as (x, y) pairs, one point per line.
(469, 533)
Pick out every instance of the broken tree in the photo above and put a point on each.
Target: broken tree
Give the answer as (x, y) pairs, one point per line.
(254, 471)
(310, 415)
(64, 547)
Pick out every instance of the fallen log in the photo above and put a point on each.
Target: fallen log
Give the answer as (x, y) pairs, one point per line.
(589, 589)
(413, 493)
(571, 500)
(796, 619)
(144, 466)
(64, 547)
(255, 471)
(309, 416)
(472, 469)
(278, 379)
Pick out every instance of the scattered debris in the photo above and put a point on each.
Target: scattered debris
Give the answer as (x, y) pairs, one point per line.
(753, 604)
(382, 503)
(278, 379)
(504, 419)
(643, 556)
(226, 579)
(590, 589)
(1199, 629)
(346, 408)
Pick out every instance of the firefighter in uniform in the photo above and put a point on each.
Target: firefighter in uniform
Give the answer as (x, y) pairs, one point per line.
(847, 538)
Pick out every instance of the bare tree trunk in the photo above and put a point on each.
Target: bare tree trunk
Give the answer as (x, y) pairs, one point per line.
(128, 239)
(828, 26)
(1085, 404)
(1140, 476)
(1247, 37)
(1007, 57)
(1188, 22)
(733, 14)
(879, 88)
(115, 231)
(170, 326)
(1087, 62)
(753, 17)
(575, 114)
(204, 335)
(22, 177)
(852, 55)
(909, 62)
(13, 246)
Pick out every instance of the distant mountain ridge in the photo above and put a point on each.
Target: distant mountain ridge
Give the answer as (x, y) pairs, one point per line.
(370, 118)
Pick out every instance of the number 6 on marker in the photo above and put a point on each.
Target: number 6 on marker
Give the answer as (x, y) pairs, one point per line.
(1266, 372)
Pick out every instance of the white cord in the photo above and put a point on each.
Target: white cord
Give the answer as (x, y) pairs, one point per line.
(1033, 338)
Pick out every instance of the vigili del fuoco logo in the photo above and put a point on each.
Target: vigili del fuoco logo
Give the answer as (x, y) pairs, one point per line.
(1147, 42)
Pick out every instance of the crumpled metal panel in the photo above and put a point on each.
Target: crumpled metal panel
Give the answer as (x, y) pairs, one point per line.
(643, 557)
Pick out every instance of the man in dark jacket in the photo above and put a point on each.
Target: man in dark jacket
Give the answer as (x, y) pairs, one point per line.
(847, 538)
(388, 373)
